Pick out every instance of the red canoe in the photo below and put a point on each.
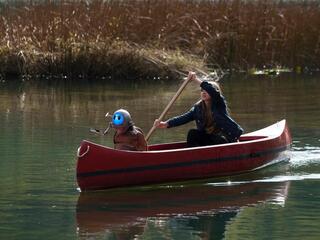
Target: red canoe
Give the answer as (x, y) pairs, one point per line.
(100, 167)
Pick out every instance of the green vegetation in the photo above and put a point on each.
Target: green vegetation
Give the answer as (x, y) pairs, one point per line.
(147, 38)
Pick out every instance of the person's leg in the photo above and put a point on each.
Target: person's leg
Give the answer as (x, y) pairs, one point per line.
(194, 138)
(214, 139)
(197, 138)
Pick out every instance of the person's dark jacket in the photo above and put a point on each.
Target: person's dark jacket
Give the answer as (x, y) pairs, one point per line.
(220, 115)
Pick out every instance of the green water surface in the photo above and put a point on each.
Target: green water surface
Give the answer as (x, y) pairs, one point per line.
(42, 125)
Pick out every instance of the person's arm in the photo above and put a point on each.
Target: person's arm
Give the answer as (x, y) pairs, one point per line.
(160, 124)
(182, 119)
(193, 77)
(142, 144)
(176, 121)
(214, 92)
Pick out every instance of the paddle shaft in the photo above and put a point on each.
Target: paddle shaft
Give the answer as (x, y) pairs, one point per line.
(184, 84)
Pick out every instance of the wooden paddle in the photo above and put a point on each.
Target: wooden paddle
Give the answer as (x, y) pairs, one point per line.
(183, 85)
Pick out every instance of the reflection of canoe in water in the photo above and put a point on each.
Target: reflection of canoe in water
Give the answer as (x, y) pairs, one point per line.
(100, 167)
(101, 211)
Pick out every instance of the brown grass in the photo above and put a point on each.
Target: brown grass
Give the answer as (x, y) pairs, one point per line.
(118, 38)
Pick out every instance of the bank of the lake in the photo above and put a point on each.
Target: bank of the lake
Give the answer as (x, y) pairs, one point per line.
(144, 39)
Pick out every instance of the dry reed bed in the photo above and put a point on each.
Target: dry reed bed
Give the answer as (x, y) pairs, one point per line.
(119, 38)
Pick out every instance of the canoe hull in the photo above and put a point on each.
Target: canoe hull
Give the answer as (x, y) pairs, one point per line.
(101, 167)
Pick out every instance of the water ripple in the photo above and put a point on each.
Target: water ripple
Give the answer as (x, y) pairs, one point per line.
(275, 179)
(301, 156)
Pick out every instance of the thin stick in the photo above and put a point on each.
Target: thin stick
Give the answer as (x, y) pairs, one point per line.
(96, 131)
(100, 132)
(184, 84)
(157, 61)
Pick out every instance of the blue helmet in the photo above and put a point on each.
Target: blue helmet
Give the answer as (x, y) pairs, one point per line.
(121, 118)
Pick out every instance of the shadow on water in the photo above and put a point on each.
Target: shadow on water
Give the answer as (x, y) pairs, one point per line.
(202, 210)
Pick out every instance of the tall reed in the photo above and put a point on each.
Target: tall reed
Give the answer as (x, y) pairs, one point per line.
(103, 37)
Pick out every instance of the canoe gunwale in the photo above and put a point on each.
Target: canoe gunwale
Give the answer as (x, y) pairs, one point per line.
(249, 136)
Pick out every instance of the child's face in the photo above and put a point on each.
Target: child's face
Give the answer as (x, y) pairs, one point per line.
(121, 130)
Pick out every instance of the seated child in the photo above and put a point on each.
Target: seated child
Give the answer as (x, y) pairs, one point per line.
(127, 136)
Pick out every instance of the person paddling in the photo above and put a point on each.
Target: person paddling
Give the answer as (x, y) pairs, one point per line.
(127, 136)
(214, 124)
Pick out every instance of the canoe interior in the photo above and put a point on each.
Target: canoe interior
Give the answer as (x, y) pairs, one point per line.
(179, 145)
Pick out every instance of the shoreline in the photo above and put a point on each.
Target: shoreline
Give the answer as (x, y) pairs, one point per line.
(157, 39)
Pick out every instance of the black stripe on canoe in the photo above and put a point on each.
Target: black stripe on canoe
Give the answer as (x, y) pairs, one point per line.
(183, 164)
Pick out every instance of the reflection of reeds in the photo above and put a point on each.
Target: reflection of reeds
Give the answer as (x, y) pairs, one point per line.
(106, 37)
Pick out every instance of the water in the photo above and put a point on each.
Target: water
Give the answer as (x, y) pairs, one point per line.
(42, 126)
